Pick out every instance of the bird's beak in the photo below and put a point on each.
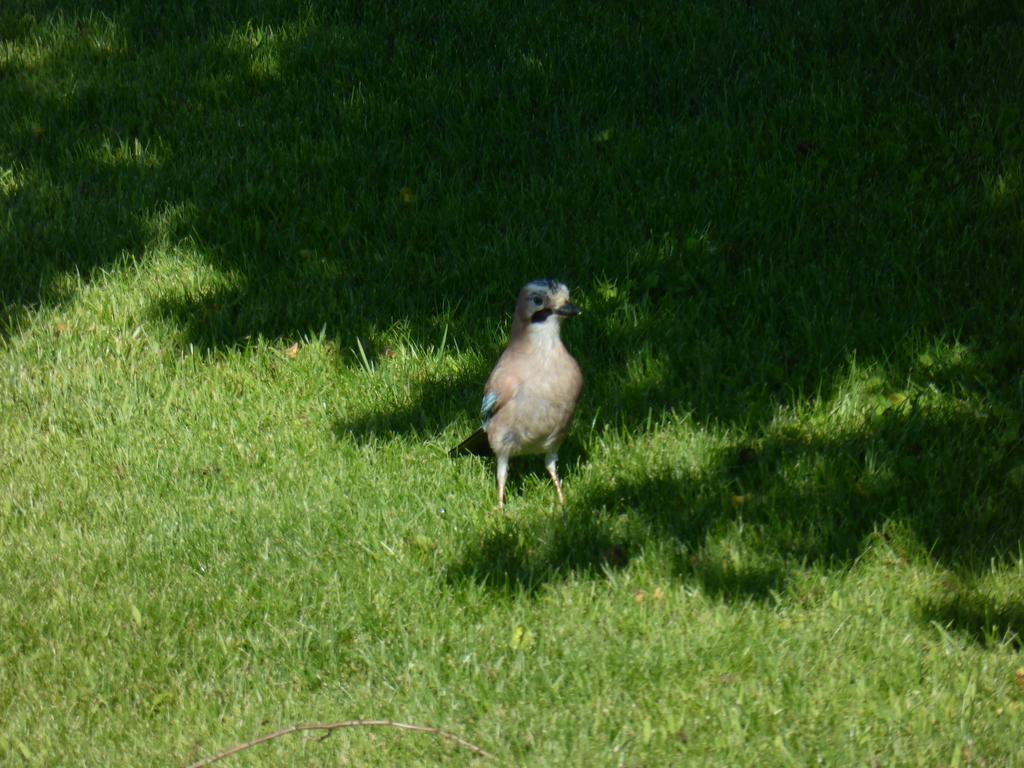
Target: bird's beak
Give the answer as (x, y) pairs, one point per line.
(568, 310)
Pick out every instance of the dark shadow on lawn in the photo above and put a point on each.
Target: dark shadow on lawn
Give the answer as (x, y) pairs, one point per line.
(526, 552)
(288, 135)
(980, 617)
(519, 554)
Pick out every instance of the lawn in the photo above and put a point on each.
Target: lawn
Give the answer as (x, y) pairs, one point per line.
(258, 257)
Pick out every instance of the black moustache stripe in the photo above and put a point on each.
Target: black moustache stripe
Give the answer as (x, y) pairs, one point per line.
(540, 316)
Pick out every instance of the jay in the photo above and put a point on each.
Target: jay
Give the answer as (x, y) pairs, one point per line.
(531, 394)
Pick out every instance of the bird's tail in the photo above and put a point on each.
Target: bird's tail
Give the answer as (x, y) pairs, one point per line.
(476, 444)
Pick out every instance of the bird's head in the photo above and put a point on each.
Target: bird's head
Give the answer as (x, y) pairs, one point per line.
(544, 302)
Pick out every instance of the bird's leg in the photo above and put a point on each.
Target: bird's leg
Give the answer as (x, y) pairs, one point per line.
(502, 475)
(550, 463)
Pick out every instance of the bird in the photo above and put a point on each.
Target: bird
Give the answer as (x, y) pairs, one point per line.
(531, 395)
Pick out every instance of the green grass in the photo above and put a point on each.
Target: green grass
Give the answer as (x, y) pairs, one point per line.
(796, 479)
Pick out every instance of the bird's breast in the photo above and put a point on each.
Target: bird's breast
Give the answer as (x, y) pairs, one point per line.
(537, 418)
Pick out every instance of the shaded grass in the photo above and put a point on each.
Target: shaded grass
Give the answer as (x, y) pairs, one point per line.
(795, 482)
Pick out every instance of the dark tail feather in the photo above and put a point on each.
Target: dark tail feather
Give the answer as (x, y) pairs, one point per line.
(476, 444)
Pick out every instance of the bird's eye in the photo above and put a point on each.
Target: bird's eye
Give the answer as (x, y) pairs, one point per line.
(537, 301)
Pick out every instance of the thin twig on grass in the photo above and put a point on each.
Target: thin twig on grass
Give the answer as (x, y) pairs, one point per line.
(330, 728)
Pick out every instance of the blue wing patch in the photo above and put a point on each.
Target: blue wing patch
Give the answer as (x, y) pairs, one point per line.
(487, 406)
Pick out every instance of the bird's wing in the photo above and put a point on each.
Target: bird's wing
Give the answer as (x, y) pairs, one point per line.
(488, 406)
(501, 387)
